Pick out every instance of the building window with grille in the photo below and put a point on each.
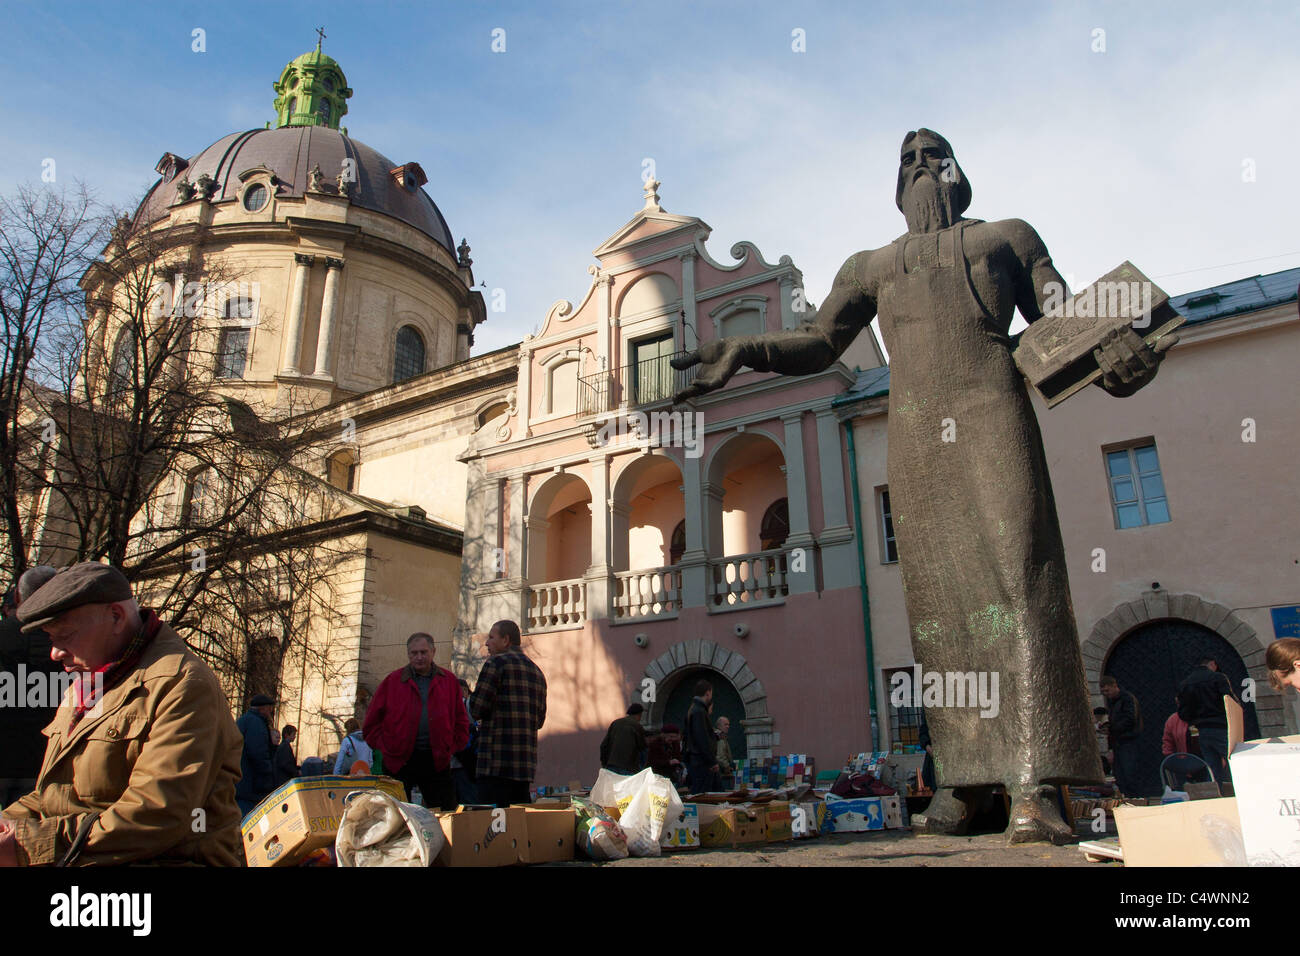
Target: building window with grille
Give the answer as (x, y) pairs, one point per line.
(408, 355)
(232, 352)
(652, 376)
(904, 722)
(1137, 489)
(888, 546)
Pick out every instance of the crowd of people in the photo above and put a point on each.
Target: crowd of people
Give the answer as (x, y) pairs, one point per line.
(699, 762)
(425, 727)
(142, 761)
(1194, 738)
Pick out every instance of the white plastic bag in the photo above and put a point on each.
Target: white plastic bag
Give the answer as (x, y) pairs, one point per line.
(645, 800)
(379, 830)
(604, 792)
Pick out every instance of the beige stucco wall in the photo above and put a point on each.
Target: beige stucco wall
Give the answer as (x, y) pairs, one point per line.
(410, 588)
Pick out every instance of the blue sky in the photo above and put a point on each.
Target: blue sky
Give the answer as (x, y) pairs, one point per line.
(1140, 152)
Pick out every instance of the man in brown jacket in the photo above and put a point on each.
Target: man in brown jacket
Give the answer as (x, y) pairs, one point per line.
(143, 754)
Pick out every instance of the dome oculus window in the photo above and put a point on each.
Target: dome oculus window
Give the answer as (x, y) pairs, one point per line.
(328, 83)
(325, 110)
(255, 197)
(293, 104)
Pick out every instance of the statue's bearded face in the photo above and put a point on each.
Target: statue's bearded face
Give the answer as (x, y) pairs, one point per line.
(929, 180)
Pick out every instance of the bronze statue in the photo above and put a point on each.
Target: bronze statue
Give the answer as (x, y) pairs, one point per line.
(983, 566)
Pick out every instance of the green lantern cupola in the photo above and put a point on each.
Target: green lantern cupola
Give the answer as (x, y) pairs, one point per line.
(312, 91)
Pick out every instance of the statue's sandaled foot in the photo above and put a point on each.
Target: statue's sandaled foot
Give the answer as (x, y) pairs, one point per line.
(1036, 819)
(946, 814)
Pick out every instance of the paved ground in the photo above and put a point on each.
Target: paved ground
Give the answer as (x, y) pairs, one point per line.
(881, 848)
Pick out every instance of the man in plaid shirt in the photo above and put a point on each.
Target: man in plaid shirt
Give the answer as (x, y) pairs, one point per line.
(509, 701)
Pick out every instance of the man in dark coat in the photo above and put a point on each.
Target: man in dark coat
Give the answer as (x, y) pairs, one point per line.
(624, 748)
(1125, 727)
(701, 744)
(22, 745)
(1200, 703)
(286, 762)
(256, 764)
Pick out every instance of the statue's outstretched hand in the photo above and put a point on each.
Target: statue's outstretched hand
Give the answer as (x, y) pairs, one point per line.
(718, 361)
(1127, 362)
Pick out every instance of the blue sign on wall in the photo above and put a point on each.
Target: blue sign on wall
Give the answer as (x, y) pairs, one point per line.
(1286, 621)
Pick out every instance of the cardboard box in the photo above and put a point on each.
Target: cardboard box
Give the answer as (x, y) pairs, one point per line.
(780, 825)
(1191, 833)
(731, 825)
(302, 816)
(808, 818)
(894, 810)
(1266, 781)
(855, 816)
(483, 837)
(682, 833)
(548, 834)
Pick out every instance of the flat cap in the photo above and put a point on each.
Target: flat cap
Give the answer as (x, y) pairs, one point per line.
(87, 583)
(261, 700)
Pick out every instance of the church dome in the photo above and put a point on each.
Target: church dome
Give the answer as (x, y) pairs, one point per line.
(311, 98)
(291, 152)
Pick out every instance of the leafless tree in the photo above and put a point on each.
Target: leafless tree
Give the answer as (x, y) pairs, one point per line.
(152, 454)
(47, 239)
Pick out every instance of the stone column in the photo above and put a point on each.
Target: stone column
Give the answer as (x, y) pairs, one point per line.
(789, 318)
(328, 313)
(524, 390)
(297, 306)
(514, 543)
(598, 575)
(604, 347)
(694, 561)
(796, 489)
(690, 338)
(831, 459)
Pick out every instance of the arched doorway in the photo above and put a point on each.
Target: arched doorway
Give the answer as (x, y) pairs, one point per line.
(726, 703)
(1151, 661)
(674, 673)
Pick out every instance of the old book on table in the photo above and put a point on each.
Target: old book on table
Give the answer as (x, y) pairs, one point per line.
(1056, 352)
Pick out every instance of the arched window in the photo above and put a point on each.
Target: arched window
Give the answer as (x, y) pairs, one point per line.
(342, 467)
(678, 546)
(776, 525)
(121, 367)
(202, 505)
(408, 356)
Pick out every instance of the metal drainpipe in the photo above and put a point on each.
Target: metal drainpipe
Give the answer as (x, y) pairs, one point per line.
(862, 581)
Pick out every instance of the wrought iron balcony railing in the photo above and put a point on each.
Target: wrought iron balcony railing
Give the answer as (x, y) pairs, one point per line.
(642, 383)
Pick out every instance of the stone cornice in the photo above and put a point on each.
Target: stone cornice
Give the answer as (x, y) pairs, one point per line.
(477, 374)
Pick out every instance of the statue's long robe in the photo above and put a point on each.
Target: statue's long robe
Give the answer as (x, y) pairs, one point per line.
(983, 564)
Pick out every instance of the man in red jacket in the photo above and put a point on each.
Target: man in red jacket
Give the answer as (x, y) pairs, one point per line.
(417, 721)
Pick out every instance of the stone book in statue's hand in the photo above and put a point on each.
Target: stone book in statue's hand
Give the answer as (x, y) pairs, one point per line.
(1066, 349)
